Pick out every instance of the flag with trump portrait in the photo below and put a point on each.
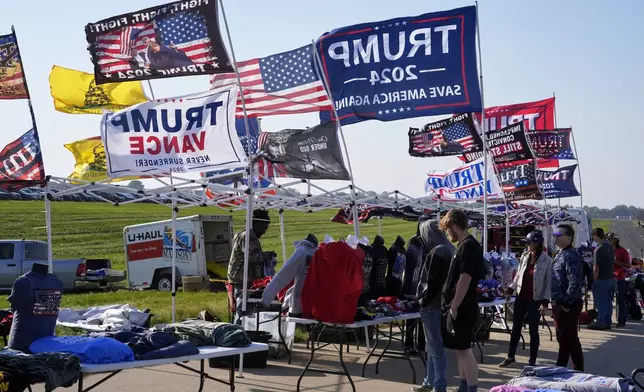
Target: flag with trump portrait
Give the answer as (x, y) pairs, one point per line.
(452, 136)
(181, 38)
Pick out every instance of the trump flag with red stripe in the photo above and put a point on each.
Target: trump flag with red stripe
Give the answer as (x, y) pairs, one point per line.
(176, 39)
(284, 83)
(21, 163)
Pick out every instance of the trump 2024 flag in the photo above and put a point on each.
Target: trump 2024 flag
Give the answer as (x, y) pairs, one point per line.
(183, 134)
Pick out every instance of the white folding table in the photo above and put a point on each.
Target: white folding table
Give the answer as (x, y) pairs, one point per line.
(207, 352)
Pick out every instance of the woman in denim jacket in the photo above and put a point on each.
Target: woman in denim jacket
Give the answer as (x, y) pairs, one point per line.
(532, 286)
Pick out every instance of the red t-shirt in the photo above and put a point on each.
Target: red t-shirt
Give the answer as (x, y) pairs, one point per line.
(621, 255)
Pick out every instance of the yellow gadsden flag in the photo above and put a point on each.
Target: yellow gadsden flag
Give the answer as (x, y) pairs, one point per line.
(76, 92)
(90, 160)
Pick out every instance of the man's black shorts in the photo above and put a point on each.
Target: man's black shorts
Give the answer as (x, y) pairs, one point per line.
(463, 332)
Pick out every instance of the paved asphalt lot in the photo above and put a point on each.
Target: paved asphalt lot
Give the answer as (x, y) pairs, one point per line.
(631, 237)
(606, 353)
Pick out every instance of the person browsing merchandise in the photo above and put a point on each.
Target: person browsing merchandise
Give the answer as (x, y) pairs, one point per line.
(604, 281)
(567, 285)
(261, 222)
(432, 278)
(459, 294)
(532, 285)
(622, 261)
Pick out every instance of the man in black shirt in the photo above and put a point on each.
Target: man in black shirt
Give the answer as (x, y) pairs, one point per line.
(604, 281)
(459, 295)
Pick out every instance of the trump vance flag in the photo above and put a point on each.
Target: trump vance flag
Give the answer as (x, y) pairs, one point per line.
(284, 83)
(176, 39)
(463, 183)
(183, 134)
(76, 92)
(21, 163)
(12, 80)
(452, 136)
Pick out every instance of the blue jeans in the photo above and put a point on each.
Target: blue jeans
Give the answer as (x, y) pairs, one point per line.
(622, 309)
(603, 291)
(435, 375)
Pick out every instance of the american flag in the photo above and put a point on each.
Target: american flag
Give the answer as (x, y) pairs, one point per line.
(186, 31)
(21, 163)
(284, 83)
(458, 132)
(46, 302)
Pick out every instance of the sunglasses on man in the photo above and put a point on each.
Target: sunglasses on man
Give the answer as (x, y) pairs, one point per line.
(558, 234)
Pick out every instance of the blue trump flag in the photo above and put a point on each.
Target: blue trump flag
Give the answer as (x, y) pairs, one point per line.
(559, 183)
(400, 68)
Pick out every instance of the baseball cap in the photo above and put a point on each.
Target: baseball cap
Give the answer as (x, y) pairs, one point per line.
(534, 237)
(612, 236)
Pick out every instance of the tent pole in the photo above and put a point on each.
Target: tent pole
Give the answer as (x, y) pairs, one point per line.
(50, 252)
(354, 205)
(484, 136)
(249, 203)
(379, 226)
(174, 255)
(282, 235)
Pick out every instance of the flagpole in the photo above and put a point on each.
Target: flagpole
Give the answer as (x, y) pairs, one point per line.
(484, 136)
(327, 88)
(555, 114)
(249, 203)
(50, 258)
(581, 191)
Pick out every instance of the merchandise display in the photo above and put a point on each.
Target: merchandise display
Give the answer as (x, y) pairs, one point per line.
(293, 271)
(35, 300)
(397, 260)
(555, 378)
(378, 286)
(146, 344)
(103, 317)
(53, 369)
(333, 283)
(87, 349)
(488, 290)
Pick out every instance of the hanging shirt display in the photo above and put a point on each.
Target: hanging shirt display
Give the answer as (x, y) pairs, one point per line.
(35, 299)
(367, 267)
(397, 260)
(379, 269)
(333, 283)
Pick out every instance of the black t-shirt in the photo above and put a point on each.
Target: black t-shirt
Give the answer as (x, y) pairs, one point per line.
(468, 259)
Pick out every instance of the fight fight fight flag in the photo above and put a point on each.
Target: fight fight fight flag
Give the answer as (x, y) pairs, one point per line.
(452, 136)
(12, 80)
(176, 39)
(284, 83)
(21, 163)
(76, 92)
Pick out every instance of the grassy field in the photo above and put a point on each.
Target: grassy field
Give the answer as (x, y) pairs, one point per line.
(605, 224)
(95, 230)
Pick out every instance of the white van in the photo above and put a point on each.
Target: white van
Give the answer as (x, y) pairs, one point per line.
(583, 229)
(203, 247)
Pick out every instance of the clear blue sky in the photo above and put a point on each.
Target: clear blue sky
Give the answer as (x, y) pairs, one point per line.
(589, 53)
